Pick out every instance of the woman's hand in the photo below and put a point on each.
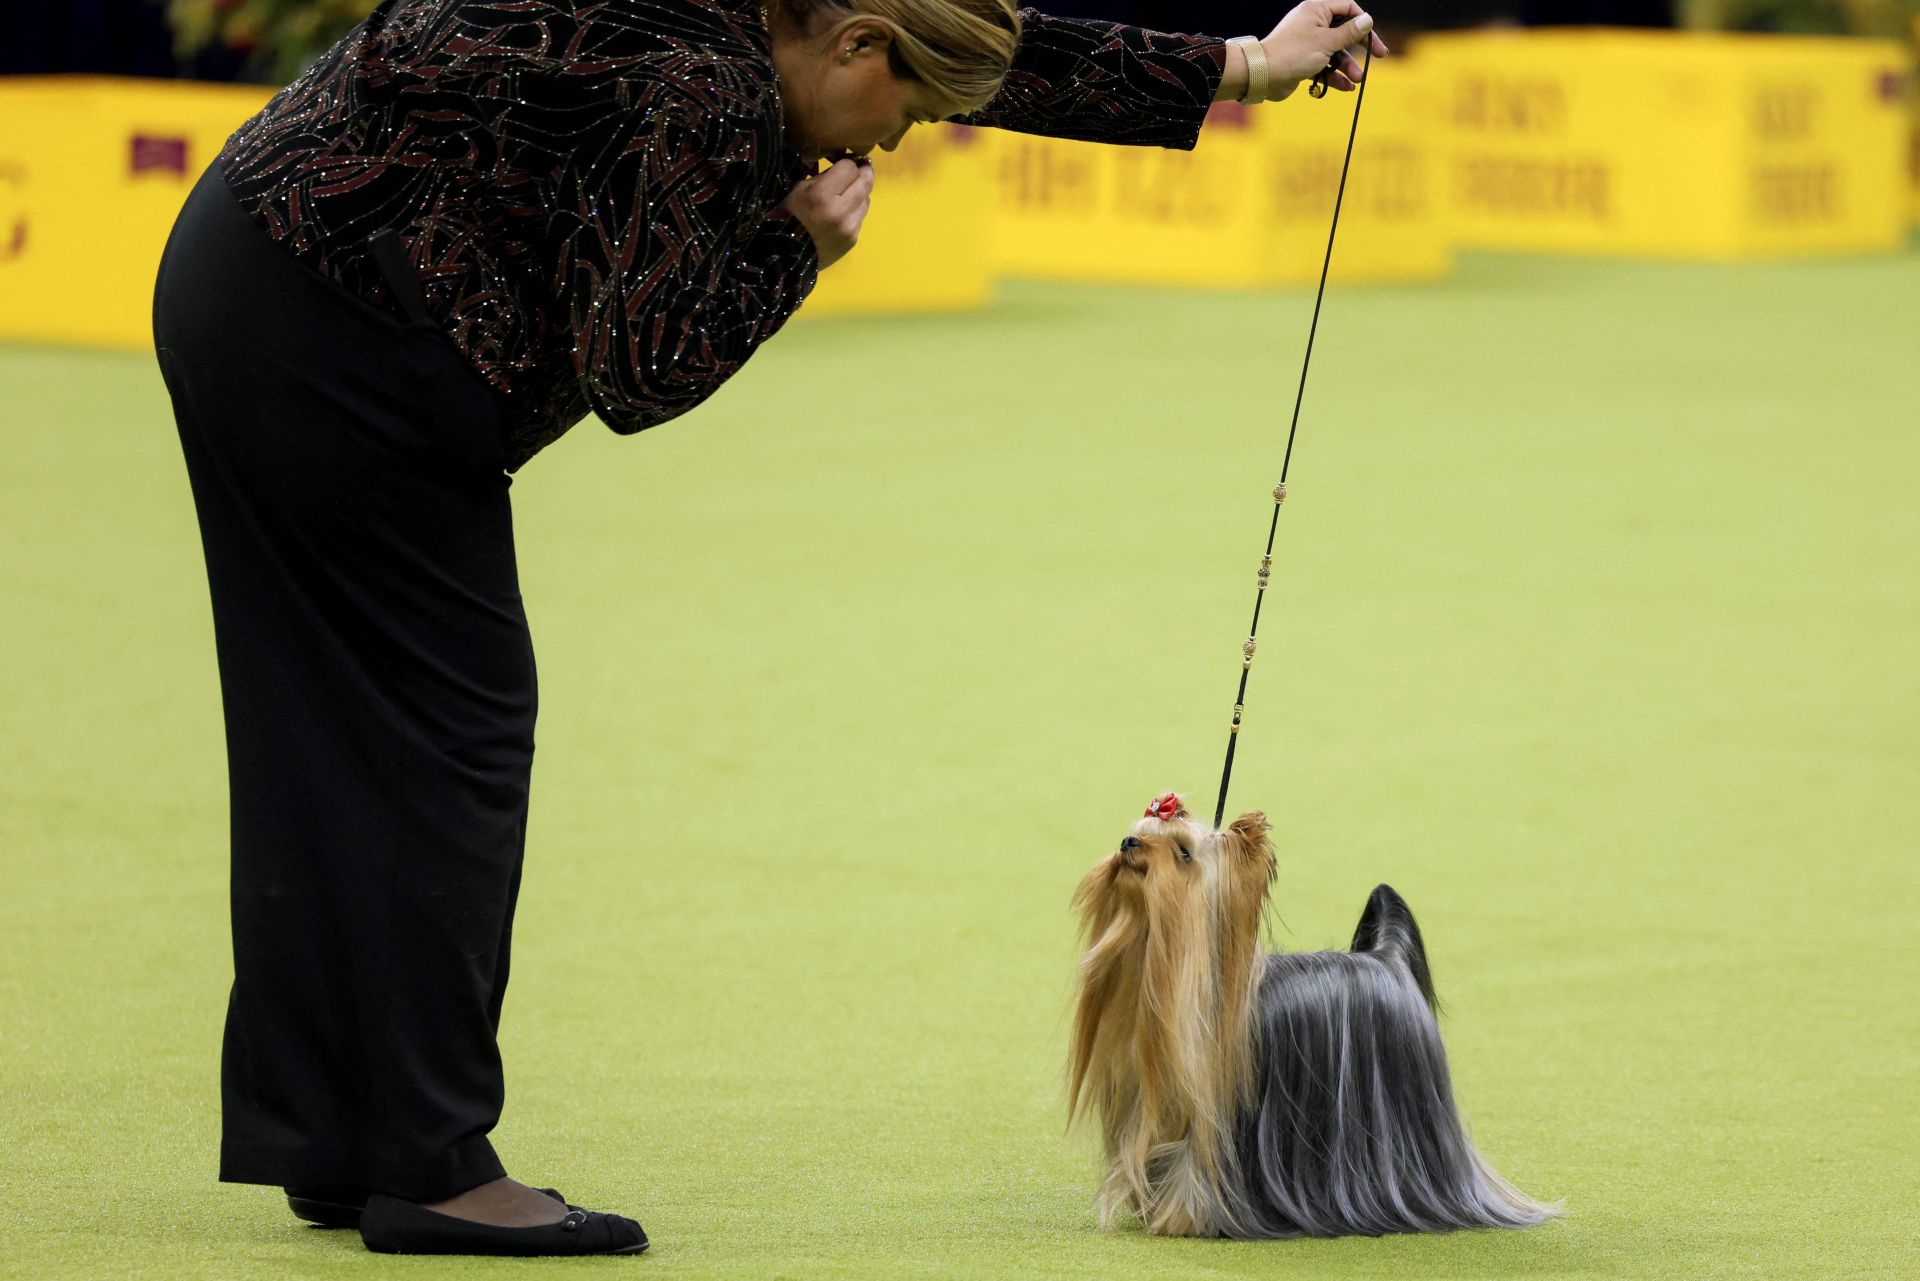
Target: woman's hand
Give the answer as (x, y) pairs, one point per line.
(1306, 43)
(831, 205)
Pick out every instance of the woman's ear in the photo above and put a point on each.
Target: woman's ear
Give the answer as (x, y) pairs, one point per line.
(864, 37)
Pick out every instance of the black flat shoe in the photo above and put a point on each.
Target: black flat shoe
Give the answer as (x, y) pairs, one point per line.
(340, 1207)
(392, 1226)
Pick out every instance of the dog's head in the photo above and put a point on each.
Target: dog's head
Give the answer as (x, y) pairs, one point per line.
(1174, 874)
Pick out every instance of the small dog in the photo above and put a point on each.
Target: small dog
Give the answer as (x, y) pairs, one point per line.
(1242, 1094)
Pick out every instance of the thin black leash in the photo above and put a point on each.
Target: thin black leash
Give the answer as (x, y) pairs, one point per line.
(1280, 490)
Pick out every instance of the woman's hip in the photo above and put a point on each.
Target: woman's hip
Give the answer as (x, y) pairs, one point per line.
(281, 368)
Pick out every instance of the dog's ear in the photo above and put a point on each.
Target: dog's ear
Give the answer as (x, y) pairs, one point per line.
(1387, 928)
(1250, 841)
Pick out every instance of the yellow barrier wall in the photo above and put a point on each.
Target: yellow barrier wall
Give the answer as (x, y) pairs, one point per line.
(1247, 208)
(1666, 144)
(92, 172)
(1913, 155)
(1670, 144)
(94, 169)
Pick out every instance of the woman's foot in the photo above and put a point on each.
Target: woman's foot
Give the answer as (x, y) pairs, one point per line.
(340, 1205)
(502, 1203)
(513, 1225)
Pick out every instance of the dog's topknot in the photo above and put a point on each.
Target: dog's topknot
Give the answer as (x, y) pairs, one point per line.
(1167, 805)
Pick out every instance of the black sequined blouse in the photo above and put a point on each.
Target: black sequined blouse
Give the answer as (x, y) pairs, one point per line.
(589, 189)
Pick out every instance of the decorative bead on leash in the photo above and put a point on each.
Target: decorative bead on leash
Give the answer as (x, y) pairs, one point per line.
(1280, 490)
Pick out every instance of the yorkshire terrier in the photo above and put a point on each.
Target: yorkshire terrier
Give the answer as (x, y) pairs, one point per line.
(1255, 1095)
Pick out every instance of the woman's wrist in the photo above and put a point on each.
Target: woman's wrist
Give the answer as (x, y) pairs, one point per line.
(1245, 78)
(1233, 80)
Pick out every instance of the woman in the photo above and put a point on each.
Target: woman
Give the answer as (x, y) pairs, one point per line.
(465, 228)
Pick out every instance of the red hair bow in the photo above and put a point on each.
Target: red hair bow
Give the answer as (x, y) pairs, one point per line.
(1164, 807)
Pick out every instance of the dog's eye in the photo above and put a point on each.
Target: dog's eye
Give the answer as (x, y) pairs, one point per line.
(1186, 855)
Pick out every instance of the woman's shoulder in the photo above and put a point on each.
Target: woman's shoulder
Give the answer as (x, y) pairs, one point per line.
(567, 53)
(616, 37)
(701, 59)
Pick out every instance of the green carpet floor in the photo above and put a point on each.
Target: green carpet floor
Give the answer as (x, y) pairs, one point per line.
(1595, 633)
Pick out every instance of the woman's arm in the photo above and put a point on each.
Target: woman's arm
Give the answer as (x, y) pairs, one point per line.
(1104, 82)
(667, 298)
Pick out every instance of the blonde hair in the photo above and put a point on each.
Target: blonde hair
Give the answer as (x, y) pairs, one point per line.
(961, 49)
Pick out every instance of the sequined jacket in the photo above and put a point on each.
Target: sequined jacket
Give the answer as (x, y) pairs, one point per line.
(589, 192)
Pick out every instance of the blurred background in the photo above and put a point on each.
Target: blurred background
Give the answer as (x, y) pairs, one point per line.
(1592, 632)
(269, 40)
(1711, 130)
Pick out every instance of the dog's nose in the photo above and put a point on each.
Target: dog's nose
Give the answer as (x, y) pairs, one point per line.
(1131, 843)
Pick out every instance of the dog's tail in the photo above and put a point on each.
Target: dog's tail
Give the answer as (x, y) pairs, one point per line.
(1387, 929)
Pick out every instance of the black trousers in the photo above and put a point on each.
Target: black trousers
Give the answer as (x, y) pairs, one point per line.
(377, 678)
